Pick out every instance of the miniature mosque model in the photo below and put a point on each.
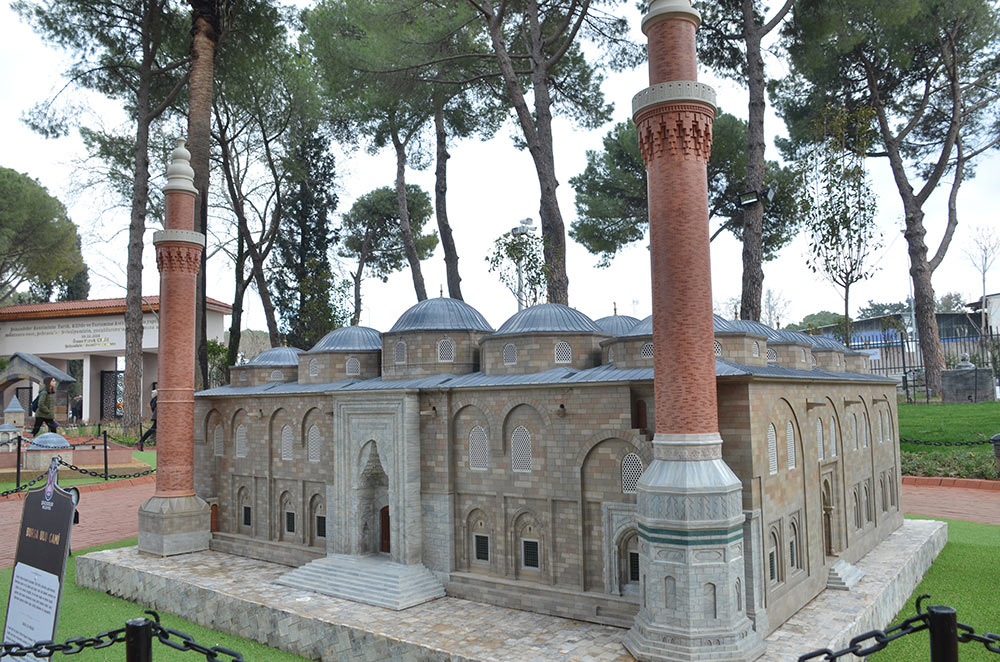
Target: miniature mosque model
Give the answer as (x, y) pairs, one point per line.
(695, 480)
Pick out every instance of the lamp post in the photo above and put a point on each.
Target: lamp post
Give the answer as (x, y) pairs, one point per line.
(526, 226)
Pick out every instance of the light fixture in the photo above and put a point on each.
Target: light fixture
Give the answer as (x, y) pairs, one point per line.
(765, 195)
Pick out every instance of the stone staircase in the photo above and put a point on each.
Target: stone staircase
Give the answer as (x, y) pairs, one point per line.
(374, 579)
(844, 576)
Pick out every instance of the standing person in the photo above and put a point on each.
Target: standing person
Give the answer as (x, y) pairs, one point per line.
(43, 411)
(152, 428)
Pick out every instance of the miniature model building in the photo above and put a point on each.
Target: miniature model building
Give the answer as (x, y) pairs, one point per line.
(502, 466)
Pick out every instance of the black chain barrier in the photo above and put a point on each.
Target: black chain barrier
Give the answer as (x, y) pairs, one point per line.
(98, 474)
(945, 443)
(25, 486)
(170, 637)
(935, 619)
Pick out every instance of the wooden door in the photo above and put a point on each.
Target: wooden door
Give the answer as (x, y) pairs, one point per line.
(384, 528)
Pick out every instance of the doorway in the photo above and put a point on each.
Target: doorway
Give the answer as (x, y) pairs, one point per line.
(385, 546)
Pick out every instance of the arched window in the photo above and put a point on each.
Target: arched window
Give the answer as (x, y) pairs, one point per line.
(857, 431)
(864, 429)
(820, 445)
(709, 605)
(794, 557)
(631, 470)
(881, 428)
(313, 368)
(287, 437)
(242, 449)
(510, 354)
(220, 444)
(288, 515)
(790, 444)
(833, 437)
(738, 593)
(611, 354)
(868, 505)
(646, 351)
(277, 376)
(803, 355)
(718, 348)
(399, 353)
(857, 509)
(520, 450)
(772, 450)
(315, 443)
(755, 349)
(628, 562)
(772, 355)
(564, 353)
(885, 495)
(773, 560)
(814, 359)
(446, 350)
(669, 592)
(353, 367)
(479, 449)
(246, 511)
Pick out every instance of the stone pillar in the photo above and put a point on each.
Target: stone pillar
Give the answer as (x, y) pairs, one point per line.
(689, 511)
(175, 520)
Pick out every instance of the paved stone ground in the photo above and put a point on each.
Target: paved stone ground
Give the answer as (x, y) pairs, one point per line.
(953, 503)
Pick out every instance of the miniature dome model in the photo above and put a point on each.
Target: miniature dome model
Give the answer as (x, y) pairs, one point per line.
(616, 325)
(349, 339)
(822, 342)
(722, 325)
(548, 318)
(14, 407)
(643, 328)
(49, 441)
(441, 314)
(796, 337)
(756, 329)
(276, 356)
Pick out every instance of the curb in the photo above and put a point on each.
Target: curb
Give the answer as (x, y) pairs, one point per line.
(94, 487)
(967, 483)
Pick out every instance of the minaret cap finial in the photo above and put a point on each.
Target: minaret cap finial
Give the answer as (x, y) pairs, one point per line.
(180, 174)
(664, 8)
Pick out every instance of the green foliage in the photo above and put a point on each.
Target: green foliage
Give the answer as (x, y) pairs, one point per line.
(817, 320)
(878, 309)
(524, 249)
(217, 354)
(950, 302)
(39, 245)
(611, 201)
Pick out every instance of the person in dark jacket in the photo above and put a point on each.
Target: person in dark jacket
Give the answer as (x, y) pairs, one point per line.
(44, 412)
(152, 428)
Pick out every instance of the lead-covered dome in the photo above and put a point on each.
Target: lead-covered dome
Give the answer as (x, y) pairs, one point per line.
(616, 325)
(441, 314)
(548, 318)
(349, 339)
(276, 356)
(49, 441)
(642, 328)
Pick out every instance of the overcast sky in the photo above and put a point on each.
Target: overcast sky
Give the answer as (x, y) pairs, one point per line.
(491, 187)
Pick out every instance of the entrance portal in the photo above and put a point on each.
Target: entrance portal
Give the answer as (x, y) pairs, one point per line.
(384, 529)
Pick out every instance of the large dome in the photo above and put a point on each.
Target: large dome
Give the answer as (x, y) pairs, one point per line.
(441, 314)
(548, 318)
(349, 339)
(643, 328)
(616, 325)
(276, 356)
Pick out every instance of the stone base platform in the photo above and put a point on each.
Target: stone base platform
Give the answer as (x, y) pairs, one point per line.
(242, 596)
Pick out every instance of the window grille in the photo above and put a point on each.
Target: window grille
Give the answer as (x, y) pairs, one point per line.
(400, 353)
(611, 354)
(564, 353)
(791, 553)
(315, 443)
(755, 350)
(479, 449)
(247, 516)
(631, 470)
(633, 566)
(772, 355)
(241, 441)
(287, 437)
(717, 348)
(321, 526)
(313, 368)
(520, 450)
(289, 522)
(529, 553)
(277, 376)
(833, 437)
(819, 438)
(772, 566)
(482, 544)
(446, 350)
(790, 444)
(510, 354)
(772, 450)
(646, 351)
(353, 367)
(220, 443)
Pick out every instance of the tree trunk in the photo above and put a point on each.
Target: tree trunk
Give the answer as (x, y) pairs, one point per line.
(260, 280)
(923, 299)
(441, 206)
(847, 316)
(235, 326)
(404, 220)
(753, 215)
(203, 39)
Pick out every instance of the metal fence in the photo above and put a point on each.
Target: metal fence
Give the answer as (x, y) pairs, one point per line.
(894, 354)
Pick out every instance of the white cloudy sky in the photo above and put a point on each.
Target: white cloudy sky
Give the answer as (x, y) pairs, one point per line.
(491, 187)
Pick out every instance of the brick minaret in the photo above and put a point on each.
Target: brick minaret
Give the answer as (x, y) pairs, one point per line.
(690, 512)
(175, 520)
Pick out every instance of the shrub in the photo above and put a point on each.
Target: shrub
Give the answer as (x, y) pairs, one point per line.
(949, 465)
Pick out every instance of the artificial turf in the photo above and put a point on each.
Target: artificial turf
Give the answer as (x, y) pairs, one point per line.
(965, 576)
(952, 422)
(69, 479)
(85, 612)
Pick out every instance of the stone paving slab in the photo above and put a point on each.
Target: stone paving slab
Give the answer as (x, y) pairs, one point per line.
(239, 595)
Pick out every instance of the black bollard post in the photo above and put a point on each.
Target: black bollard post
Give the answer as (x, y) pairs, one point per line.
(18, 472)
(105, 455)
(138, 640)
(996, 450)
(942, 623)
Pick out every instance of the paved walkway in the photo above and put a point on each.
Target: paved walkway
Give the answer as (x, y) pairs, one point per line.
(953, 503)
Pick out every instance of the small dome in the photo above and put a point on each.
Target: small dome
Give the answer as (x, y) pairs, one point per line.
(7, 427)
(756, 329)
(349, 339)
(49, 441)
(722, 325)
(643, 328)
(823, 342)
(796, 337)
(277, 356)
(441, 314)
(548, 318)
(616, 325)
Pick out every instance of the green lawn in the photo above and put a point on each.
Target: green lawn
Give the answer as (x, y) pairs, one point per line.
(85, 612)
(960, 422)
(964, 576)
(68, 478)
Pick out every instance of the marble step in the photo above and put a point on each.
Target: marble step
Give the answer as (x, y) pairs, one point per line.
(373, 579)
(844, 576)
